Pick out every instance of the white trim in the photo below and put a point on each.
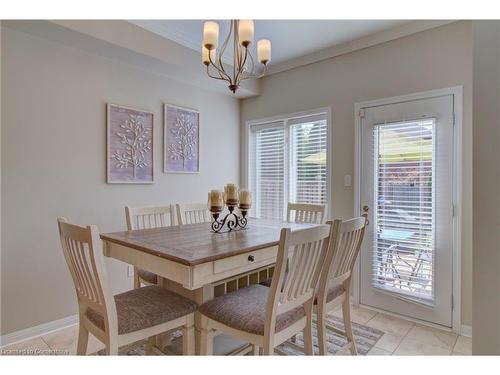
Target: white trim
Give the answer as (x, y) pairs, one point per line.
(329, 145)
(408, 318)
(457, 93)
(466, 331)
(36, 331)
(179, 35)
(357, 44)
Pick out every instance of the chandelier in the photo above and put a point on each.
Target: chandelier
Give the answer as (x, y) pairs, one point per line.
(241, 33)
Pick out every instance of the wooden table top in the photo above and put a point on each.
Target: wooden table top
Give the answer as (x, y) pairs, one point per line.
(195, 243)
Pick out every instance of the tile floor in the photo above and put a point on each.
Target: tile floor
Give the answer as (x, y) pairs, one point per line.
(401, 338)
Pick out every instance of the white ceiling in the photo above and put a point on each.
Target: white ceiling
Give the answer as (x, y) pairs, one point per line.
(290, 38)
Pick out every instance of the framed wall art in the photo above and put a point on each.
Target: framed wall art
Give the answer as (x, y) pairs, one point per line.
(130, 155)
(181, 136)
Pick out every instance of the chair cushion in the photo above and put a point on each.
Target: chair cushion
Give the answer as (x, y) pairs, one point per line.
(333, 293)
(145, 307)
(147, 276)
(245, 310)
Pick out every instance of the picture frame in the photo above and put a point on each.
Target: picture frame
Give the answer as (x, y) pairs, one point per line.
(129, 145)
(181, 139)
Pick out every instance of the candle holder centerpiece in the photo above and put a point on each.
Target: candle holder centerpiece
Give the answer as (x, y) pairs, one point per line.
(232, 198)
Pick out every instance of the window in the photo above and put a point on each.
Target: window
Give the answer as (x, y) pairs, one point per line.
(404, 242)
(287, 162)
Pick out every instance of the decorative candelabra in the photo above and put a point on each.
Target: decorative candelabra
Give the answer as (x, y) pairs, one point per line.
(232, 198)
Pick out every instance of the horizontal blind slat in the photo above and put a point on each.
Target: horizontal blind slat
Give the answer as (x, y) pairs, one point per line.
(402, 252)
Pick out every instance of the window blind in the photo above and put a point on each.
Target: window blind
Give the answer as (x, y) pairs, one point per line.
(269, 170)
(288, 162)
(404, 199)
(308, 162)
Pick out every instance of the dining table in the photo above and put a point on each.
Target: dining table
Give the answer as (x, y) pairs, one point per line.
(199, 264)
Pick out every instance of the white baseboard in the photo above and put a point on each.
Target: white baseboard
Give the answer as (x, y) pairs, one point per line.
(466, 331)
(42, 329)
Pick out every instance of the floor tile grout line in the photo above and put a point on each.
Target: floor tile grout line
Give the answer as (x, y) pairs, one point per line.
(404, 336)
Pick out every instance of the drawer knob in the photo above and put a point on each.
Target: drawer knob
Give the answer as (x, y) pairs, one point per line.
(251, 258)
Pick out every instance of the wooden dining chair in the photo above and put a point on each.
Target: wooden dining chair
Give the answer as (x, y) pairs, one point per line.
(147, 218)
(266, 317)
(193, 213)
(335, 280)
(124, 318)
(301, 213)
(305, 213)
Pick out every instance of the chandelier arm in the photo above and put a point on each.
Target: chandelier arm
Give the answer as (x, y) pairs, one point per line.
(252, 70)
(220, 67)
(241, 66)
(251, 73)
(215, 77)
(221, 72)
(262, 74)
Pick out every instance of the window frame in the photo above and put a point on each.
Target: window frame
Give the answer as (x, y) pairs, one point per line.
(291, 117)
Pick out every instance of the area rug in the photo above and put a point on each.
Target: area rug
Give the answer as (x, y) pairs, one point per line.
(365, 337)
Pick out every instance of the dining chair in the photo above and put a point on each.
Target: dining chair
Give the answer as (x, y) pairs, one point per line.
(147, 218)
(124, 318)
(301, 213)
(305, 213)
(335, 279)
(193, 213)
(266, 317)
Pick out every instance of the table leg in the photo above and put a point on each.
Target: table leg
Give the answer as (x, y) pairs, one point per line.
(199, 296)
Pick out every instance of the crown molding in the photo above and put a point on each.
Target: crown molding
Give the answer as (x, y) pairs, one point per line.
(384, 36)
(128, 43)
(177, 35)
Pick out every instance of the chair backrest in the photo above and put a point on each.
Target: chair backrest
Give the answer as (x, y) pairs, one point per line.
(193, 213)
(305, 213)
(82, 250)
(347, 237)
(149, 217)
(305, 251)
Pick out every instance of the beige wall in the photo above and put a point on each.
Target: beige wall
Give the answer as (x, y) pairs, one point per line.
(486, 291)
(53, 163)
(428, 60)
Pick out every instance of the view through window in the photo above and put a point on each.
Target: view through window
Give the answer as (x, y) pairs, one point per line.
(288, 163)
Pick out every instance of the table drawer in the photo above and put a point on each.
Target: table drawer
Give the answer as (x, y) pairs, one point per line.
(238, 261)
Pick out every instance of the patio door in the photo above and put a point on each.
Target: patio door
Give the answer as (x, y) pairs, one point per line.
(407, 184)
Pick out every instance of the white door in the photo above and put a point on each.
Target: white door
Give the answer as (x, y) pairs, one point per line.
(406, 182)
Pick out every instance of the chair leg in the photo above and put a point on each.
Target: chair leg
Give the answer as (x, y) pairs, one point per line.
(268, 348)
(137, 282)
(206, 338)
(188, 340)
(321, 329)
(83, 339)
(112, 348)
(346, 313)
(148, 347)
(308, 336)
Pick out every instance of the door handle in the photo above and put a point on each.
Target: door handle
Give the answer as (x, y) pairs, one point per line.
(365, 213)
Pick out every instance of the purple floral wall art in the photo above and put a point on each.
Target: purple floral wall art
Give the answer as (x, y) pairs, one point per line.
(130, 145)
(181, 140)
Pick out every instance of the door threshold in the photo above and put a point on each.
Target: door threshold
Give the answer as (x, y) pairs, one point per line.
(407, 318)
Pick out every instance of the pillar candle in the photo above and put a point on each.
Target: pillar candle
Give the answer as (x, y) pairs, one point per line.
(215, 199)
(245, 198)
(231, 193)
